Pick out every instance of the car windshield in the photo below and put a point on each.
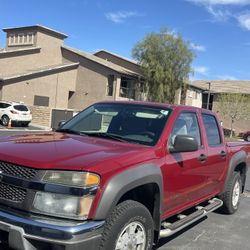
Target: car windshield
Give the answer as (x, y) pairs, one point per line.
(122, 122)
(21, 108)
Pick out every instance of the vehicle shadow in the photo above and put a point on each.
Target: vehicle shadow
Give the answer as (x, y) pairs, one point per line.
(166, 240)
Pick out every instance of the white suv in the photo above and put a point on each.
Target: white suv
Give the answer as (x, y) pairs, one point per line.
(16, 112)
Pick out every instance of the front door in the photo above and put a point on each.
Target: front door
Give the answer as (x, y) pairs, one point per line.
(184, 177)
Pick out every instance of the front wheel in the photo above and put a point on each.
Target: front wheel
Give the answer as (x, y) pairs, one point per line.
(129, 227)
(231, 195)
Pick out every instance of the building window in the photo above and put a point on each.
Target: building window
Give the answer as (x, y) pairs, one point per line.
(41, 100)
(21, 39)
(71, 93)
(110, 86)
(127, 88)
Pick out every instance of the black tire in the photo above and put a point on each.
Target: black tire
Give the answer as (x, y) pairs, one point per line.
(125, 214)
(5, 120)
(227, 196)
(25, 124)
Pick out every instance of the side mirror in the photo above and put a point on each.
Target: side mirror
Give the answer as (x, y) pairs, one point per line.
(61, 123)
(185, 143)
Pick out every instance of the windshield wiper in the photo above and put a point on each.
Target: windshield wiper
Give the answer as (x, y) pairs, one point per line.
(70, 131)
(109, 136)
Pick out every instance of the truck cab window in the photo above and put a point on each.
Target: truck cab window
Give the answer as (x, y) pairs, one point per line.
(212, 130)
(186, 124)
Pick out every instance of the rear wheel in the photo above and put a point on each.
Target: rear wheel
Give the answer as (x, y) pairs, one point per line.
(231, 195)
(129, 226)
(5, 120)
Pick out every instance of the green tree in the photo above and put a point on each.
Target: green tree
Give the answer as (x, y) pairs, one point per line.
(234, 107)
(166, 63)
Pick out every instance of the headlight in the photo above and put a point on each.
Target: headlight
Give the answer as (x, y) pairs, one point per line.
(71, 178)
(65, 205)
(60, 205)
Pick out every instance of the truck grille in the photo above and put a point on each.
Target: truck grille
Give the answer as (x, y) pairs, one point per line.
(12, 193)
(17, 171)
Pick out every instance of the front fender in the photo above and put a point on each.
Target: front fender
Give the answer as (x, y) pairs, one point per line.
(124, 182)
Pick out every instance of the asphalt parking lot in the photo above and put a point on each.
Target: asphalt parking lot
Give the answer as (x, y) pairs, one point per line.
(215, 232)
(19, 130)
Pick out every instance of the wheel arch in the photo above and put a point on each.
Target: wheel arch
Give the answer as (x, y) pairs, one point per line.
(134, 181)
(238, 164)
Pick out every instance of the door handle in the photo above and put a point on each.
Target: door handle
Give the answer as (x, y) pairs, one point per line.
(223, 154)
(202, 158)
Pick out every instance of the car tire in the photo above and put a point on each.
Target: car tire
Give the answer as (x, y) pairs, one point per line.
(231, 195)
(25, 124)
(129, 224)
(5, 120)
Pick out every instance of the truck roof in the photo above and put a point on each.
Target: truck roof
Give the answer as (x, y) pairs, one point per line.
(158, 104)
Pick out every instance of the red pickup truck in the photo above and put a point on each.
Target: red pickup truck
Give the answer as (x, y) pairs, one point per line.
(119, 175)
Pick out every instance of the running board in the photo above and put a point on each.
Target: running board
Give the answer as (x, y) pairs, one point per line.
(186, 220)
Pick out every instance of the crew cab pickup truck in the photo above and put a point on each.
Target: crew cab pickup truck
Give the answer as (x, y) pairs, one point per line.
(117, 176)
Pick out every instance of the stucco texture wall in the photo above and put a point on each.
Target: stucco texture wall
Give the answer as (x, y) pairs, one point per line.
(49, 54)
(91, 82)
(55, 86)
(119, 61)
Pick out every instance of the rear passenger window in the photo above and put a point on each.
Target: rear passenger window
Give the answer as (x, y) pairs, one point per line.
(212, 130)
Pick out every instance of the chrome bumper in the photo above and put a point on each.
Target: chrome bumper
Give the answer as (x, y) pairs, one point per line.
(27, 233)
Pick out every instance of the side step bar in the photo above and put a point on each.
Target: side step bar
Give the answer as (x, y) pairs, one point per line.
(186, 220)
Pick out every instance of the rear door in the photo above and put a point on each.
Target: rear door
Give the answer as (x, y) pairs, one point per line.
(216, 151)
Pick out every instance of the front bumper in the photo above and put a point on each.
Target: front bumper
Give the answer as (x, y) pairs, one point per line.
(30, 233)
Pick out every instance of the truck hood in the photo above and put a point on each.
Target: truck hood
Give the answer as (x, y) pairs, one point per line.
(55, 150)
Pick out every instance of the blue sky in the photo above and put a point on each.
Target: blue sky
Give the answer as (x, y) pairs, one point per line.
(218, 30)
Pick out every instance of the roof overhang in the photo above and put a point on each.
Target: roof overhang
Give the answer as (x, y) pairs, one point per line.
(121, 70)
(222, 86)
(39, 72)
(37, 27)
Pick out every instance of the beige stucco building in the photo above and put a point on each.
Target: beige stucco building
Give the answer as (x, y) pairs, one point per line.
(197, 95)
(54, 80)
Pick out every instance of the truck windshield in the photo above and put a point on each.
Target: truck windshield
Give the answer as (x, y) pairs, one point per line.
(122, 122)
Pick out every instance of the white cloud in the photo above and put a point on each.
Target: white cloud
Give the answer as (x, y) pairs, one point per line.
(201, 70)
(197, 47)
(120, 16)
(218, 13)
(220, 2)
(244, 20)
(219, 9)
